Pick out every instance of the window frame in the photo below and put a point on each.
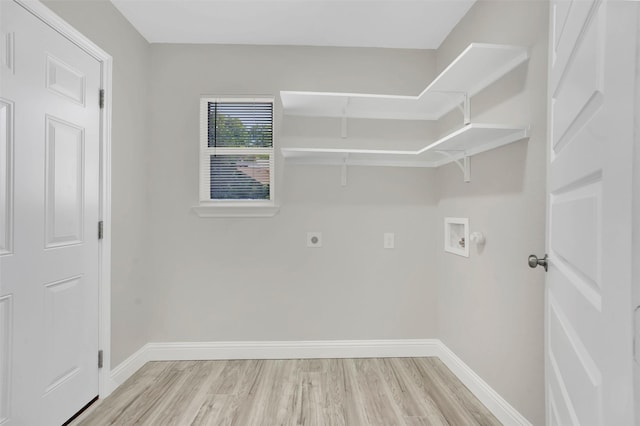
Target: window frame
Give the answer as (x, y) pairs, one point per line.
(208, 207)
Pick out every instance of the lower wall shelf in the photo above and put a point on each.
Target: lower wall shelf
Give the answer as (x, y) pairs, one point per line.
(471, 139)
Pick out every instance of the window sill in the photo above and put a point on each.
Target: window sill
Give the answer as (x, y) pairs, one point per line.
(222, 211)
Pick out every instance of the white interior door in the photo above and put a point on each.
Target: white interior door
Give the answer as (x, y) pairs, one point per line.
(588, 342)
(49, 202)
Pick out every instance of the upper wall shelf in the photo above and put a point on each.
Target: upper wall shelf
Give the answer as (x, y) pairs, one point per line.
(475, 68)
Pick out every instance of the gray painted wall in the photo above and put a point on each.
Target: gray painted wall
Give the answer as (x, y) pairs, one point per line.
(255, 279)
(177, 277)
(105, 26)
(491, 305)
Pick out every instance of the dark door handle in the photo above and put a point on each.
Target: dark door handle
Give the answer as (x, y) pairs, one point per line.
(534, 261)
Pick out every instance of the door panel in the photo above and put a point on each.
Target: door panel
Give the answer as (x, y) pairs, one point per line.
(588, 309)
(579, 375)
(578, 95)
(49, 269)
(63, 332)
(64, 183)
(65, 80)
(576, 232)
(6, 172)
(567, 23)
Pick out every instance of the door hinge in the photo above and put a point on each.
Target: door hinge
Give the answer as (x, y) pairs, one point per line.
(100, 358)
(101, 98)
(100, 230)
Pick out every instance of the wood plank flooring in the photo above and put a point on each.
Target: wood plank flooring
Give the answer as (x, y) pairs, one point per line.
(340, 392)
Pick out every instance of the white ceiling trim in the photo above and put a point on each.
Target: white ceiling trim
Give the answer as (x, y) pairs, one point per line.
(407, 24)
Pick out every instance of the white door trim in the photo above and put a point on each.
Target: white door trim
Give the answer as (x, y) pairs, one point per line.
(106, 64)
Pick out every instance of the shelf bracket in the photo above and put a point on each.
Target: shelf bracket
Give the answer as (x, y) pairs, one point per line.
(343, 176)
(464, 165)
(343, 132)
(465, 108)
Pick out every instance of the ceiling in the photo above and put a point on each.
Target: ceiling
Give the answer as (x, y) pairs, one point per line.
(409, 24)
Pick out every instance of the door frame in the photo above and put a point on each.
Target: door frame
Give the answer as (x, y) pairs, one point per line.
(635, 273)
(42, 12)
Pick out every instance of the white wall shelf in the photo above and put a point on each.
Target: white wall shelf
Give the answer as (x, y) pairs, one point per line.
(469, 140)
(475, 68)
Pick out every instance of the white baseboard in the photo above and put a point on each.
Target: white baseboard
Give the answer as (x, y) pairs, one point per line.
(500, 408)
(129, 366)
(182, 351)
(293, 350)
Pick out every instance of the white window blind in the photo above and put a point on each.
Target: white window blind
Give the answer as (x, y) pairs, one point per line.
(236, 150)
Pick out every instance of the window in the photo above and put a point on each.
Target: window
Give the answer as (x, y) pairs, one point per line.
(236, 154)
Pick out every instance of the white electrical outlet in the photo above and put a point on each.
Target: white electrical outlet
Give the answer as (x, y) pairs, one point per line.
(389, 240)
(314, 239)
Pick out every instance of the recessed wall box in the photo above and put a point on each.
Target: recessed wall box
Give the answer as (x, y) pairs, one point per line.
(456, 235)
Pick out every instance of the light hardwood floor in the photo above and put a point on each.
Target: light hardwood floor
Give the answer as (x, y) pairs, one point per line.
(349, 392)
